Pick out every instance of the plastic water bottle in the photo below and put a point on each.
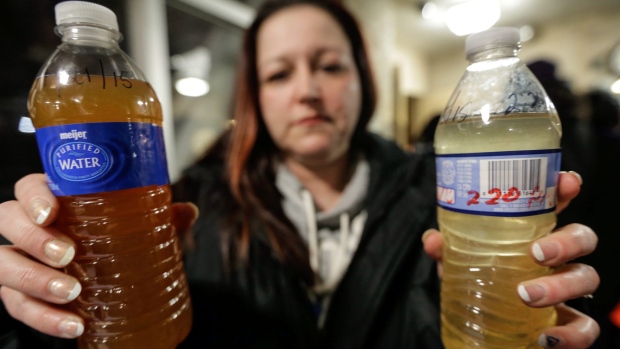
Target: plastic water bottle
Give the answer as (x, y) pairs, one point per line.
(498, 160)
(99, 129)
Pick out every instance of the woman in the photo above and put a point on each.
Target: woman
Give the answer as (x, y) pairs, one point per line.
(310, 232)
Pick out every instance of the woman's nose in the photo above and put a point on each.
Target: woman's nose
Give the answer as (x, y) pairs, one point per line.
(307, 85)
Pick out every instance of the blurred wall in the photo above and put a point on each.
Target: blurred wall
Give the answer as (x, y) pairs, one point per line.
(377, 19)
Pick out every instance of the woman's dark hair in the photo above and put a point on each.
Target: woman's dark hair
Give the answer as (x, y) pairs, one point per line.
(250, 150)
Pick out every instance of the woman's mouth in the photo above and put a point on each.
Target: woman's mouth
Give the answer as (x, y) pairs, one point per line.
(312, 120)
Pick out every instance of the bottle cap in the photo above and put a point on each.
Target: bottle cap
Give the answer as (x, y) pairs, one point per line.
(493, 37)
(85, 12)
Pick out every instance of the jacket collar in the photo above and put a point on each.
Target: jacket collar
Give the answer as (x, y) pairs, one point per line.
(397, 218)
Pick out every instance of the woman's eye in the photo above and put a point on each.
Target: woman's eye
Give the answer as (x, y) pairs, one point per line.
(277, 76)
(332, 68)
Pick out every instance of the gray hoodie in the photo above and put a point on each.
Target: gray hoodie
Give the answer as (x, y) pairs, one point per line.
(332, 236)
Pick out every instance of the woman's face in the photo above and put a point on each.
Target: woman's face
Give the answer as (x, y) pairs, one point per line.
(310, 94)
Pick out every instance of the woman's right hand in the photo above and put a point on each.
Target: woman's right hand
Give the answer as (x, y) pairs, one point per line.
(32, 287)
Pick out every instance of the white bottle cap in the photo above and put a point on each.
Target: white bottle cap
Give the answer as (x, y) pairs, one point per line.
(85, 12)
(493, 37)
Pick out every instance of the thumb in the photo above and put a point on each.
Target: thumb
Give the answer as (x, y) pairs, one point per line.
(184, 214)
(433, 242)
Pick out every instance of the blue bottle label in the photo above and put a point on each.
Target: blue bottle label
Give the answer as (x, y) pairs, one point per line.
(100, 157)
(505, 184)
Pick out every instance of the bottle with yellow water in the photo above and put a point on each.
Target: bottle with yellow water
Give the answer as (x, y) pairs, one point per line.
(498, 159)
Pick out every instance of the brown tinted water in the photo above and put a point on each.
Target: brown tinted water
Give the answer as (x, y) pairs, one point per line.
(128, 257)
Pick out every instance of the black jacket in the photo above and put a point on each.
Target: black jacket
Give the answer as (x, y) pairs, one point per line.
(388, 297)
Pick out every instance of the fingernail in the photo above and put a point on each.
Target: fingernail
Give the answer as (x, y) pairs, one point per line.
(531, 293)
(71, 328)
(40, 209)
(59, 252)
(538, 252)
(578, 176)
(65, 288)
(544, 251)
(426, 234)
(548, 341)
(196, 211)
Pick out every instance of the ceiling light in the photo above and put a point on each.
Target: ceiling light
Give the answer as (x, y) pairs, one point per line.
(615, 87)
(192, 87)
(472, 16)
(526, 33)
(430, 10)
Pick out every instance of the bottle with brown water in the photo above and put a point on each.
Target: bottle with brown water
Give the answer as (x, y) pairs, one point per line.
(99, 129)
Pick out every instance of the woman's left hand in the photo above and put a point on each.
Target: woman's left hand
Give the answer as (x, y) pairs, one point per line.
(568, 281)
(574, 329)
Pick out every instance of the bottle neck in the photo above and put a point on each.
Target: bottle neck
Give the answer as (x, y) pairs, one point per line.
(493, 53)
(91, 35)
